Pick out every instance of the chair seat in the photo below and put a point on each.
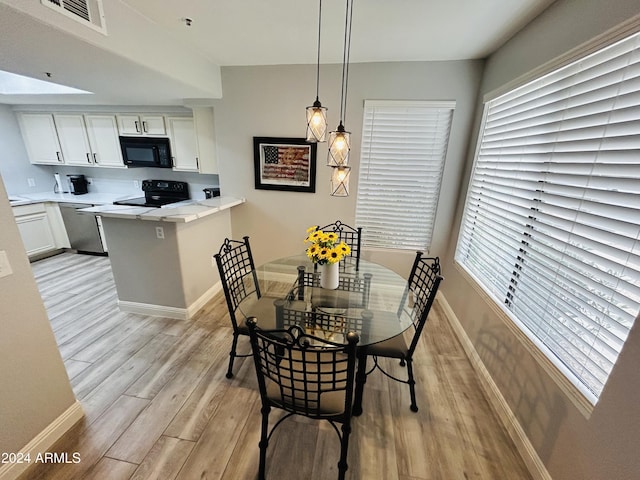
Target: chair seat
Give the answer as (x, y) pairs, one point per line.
(263, 309)
(394, 347)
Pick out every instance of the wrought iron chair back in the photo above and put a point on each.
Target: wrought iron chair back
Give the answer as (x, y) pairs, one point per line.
(350, 235)
(329, 323)
(237, 273)
(356, 286)
(423, 284)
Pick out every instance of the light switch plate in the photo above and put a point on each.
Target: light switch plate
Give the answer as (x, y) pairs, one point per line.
(5, 266)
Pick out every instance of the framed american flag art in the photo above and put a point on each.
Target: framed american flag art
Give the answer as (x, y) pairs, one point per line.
(285, 164)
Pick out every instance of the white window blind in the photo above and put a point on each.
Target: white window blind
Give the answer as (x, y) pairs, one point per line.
(551, 227)
(404, 145)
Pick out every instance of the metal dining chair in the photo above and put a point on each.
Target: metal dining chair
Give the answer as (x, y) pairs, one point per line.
(239, 282)
(350, 235)
(422, 287)
(304, 375)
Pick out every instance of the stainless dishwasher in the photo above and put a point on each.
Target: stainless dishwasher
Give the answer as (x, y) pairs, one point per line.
(82, 228)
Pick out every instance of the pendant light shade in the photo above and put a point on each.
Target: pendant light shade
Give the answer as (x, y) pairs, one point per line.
(316, 113)
(340, 181)
(316, 122)
(339, 147)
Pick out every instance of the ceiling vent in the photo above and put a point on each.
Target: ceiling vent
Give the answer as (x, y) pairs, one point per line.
(86, 12)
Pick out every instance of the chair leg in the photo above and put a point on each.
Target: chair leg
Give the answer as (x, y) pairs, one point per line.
(264, 441)
(344, 447)
(361, 379)
(232, 355)
(412, 385)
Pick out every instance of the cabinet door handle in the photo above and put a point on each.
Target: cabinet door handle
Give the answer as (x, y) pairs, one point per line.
(88, 158)
(95, 158)
(58, 156)
(144, 127)
(197, 163)
(137, 126)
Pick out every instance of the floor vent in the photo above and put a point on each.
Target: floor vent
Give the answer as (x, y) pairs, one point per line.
(86, 12)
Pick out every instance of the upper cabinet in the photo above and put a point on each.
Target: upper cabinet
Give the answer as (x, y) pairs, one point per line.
(74, 143)
(184, 149)
(193, 141)
(205, 135)
(103, 139)
(40, 138)
(71, 139)
(141, 125)
(92, 139)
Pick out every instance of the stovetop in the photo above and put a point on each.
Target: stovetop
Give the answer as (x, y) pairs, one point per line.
(158, 193)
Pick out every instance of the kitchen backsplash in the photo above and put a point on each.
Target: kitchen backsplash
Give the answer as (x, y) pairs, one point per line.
(124, 181)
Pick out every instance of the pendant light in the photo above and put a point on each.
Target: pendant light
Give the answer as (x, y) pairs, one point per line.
(316, 113)
(340, 139)
(340, 181)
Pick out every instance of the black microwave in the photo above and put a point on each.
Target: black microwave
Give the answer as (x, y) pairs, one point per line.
(146, 152)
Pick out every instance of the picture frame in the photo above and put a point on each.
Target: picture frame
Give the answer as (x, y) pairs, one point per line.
(287, 164)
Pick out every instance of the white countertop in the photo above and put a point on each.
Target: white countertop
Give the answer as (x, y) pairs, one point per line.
(87, 198)
(180, 212)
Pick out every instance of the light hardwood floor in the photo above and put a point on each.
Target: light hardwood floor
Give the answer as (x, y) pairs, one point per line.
(158, 405)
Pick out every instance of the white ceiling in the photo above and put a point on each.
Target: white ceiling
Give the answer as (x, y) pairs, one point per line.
(150, 55)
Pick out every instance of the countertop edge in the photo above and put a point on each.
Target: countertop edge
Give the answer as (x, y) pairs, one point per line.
(182, 214)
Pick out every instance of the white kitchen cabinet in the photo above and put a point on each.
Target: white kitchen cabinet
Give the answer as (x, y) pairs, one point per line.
(141, 125)
(102, 131)
(184, 148)
(40, 138)
(74, 142)
(35, 228)
(205, 137)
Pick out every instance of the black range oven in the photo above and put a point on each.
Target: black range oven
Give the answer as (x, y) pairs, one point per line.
(158, 193)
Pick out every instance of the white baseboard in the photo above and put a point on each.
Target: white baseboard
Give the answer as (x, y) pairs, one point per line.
(170, 312)
(204, 298)
(42, 442)
(496, 399)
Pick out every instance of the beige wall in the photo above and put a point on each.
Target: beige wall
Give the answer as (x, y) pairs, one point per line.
(270, 101)
(603, 447)
(34, 389)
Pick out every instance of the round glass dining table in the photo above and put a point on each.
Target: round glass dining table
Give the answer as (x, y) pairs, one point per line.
(372, 300)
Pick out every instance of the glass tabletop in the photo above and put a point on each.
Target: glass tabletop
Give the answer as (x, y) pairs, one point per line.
(372, 301)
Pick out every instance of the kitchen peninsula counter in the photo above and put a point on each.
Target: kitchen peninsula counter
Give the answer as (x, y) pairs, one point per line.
(162, 258)
(181, 212)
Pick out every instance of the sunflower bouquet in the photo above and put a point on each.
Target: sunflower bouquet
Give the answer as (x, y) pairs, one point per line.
(324, 246)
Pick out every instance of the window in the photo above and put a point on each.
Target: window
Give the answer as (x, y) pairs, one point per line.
(404, 145)
(551, 228)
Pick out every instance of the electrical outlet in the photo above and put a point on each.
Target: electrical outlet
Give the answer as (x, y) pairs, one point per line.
(160, 233)
(89, 180)
(5, 266)
(136, 184)
(31, 182)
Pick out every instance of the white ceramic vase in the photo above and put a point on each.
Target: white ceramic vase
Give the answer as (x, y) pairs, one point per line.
(330, 275)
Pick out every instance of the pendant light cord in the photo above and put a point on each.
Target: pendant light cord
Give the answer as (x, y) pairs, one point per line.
(345, 59)
(318, 65)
